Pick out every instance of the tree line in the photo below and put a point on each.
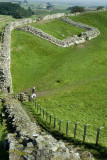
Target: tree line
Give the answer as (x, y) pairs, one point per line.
(8, 8)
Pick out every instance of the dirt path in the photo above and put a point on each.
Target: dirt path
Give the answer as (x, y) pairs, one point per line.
(66, 87)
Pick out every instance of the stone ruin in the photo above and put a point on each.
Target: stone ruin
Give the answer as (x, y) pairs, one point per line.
(90, 33)
(5, 60)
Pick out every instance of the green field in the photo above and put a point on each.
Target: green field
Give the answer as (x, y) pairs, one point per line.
(52, 27)
(70, 82)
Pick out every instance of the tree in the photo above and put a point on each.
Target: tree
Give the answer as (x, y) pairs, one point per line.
(69, 8)
(77, 9)
(100, 7)
(49, 6)
(15, 10)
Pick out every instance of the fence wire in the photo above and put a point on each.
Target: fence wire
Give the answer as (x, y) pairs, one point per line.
(85, 133)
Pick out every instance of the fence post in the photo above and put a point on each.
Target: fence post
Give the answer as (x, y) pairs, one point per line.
(38, 107)
(85, 128)
(47, 116)
(60, 125)
(40, 110)
(75, 129)
(54, 122)
(43, 112)
(98, 133)
(35, 104)
(50, 117)
(67, 127)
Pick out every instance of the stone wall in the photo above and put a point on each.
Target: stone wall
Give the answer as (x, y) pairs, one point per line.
(91, 32)
(28, 142)
(88, 35)
(58, 15)
(5, 60)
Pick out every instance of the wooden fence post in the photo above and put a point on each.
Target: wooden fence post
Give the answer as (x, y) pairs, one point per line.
(54, 122)
(60, 125)
(98, 133)
(43, 112)
(67, 127)
(85, 128)
(75, 129)
(40, 110)
(35, 104)
(38, 107)
(50, 117)
(47, 116)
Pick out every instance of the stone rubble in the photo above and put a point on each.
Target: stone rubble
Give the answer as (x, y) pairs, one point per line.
(28, 142)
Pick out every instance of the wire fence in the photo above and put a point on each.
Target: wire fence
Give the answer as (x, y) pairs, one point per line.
(78, 131)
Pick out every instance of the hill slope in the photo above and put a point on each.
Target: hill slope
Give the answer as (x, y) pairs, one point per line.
(72, 80)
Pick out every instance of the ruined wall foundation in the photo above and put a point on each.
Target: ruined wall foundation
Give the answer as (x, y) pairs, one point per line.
(90, 33)
(5, 60)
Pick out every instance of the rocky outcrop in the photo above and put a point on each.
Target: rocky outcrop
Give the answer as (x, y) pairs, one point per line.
(5, 60)
(53, 16)
(28, 142)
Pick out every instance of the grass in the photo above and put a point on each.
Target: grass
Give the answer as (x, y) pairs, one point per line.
(71, 82)
(63, 32)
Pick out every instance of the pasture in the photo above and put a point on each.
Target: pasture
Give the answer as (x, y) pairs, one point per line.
(70, 82)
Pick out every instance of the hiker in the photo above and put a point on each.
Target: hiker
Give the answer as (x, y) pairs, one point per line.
(33, 96)
(33, 90)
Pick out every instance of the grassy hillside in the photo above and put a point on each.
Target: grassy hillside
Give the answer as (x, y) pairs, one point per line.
(71, 82)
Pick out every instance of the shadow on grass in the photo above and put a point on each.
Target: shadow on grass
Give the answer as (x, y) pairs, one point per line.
(3, 152)
(4, 155)
(98, 151)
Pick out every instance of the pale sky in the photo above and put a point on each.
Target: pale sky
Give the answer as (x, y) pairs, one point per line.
(83, 2)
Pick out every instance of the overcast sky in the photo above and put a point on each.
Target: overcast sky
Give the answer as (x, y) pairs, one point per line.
(82, 2)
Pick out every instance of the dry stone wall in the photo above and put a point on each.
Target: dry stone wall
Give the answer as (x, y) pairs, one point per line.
(61, 43)
(88, 35)
(29, 142)
(53, 16)
(5, 60)
(91, 32)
